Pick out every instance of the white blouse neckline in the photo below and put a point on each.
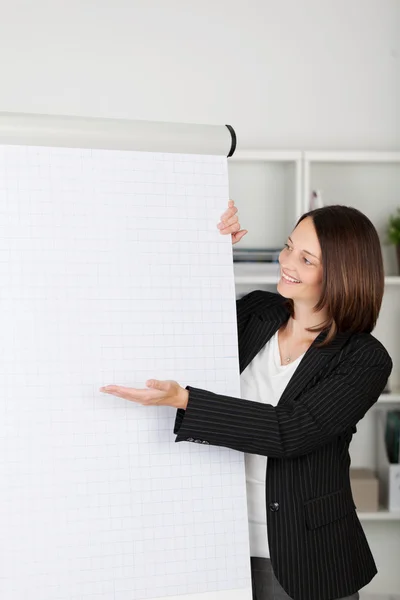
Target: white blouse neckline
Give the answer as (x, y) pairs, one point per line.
(277, 356)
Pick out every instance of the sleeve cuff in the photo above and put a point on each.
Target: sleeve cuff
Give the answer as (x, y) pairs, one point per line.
(180, 415)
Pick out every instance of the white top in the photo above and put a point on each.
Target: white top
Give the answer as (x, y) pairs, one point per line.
(263, 380)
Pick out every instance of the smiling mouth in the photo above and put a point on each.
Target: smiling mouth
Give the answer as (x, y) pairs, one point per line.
(290, 279)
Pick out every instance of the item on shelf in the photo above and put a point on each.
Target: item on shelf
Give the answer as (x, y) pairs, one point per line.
(392, 436)
(393, 233)
(365, 489)
(316, 200)
(270, 255)
(388, 473)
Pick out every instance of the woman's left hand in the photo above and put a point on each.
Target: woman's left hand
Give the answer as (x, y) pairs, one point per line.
(158, 393)
(229, 223)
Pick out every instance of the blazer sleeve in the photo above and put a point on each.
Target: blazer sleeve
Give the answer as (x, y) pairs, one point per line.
(333, 405)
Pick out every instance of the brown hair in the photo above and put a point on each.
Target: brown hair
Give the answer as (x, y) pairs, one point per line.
(353, 276)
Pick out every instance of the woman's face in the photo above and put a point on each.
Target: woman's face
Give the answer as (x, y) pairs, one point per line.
(301, 261)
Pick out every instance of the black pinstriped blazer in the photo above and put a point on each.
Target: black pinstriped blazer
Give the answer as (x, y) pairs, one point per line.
(317, 545)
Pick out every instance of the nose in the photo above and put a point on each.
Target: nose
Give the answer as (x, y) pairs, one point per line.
(287, 264)
(286, 261)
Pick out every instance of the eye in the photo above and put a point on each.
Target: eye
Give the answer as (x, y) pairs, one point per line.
(307, 261)
(287, 246)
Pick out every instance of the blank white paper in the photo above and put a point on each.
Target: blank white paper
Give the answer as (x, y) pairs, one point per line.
(113, 271)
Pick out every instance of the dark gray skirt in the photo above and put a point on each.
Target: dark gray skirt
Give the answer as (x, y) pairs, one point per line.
(267, 587)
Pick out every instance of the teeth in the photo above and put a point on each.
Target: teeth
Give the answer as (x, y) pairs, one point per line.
(290, 278)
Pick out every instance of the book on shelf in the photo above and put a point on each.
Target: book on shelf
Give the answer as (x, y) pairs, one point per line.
(316, 200)
(258, 255)
(392, 436)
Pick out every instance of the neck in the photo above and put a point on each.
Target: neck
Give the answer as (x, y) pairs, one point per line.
(304, 317)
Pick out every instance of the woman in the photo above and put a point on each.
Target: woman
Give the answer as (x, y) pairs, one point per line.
(311, 370)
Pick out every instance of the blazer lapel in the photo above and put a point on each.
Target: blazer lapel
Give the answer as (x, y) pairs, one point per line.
(311, 364)
(260, 328)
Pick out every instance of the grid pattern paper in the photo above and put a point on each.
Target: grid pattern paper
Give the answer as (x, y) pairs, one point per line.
(113, 271)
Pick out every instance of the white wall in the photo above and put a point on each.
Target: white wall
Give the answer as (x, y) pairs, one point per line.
(284, 73)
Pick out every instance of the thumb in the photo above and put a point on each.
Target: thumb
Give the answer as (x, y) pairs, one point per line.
(236, 237)
(157, 385)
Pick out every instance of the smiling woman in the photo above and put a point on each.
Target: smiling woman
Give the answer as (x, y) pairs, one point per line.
(334, 255)
(310, 370)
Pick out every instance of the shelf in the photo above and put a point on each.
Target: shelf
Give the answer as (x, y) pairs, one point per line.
(253, 273)
(392, 280)
(380, 515)
(389, 399)
(361, 157)
(261, 279)
(268, 273)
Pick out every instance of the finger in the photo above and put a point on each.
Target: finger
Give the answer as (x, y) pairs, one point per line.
(107, 389)
(113, 389)
(136, 395)
(232, 229)
(236, 237)
(228, 222)
(147, 398)
(228, 213)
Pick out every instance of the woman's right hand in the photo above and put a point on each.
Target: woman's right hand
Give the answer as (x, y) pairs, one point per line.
(230, 223)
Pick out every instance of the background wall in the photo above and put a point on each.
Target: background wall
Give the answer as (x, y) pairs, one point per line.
(286, 73)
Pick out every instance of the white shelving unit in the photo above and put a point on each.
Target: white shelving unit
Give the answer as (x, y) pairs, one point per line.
(268, 188)
(369, 181)
(272, 190)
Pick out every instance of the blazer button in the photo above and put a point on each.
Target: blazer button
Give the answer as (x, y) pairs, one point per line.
(274, 506)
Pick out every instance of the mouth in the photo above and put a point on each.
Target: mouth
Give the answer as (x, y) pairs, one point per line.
(289, 279)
